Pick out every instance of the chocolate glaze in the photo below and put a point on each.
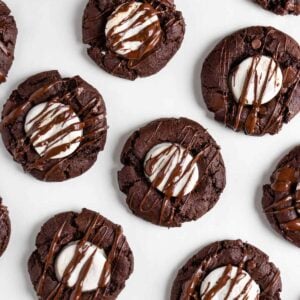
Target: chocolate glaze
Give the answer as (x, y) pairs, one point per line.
(148, 37)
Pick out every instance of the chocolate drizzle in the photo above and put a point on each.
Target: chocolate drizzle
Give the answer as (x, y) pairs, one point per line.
(136, 34)
(80, 252)
(252, 119)
(57, 113)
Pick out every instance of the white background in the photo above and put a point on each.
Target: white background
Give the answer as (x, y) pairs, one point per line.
(50, 38)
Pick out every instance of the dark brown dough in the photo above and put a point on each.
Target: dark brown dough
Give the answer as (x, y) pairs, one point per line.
(281, 7)
(8, 36)
(4, 227)
(282, 196)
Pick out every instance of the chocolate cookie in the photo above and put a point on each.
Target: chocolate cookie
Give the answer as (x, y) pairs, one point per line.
(228, 270)
(8, 36)
(281, 198)
(281, 7)
(250, 81)
(80, 256)
(132, 39)
(4, 228)
(173, 172)
(54, 126)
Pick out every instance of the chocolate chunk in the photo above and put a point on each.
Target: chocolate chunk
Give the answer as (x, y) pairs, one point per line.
(173, 172)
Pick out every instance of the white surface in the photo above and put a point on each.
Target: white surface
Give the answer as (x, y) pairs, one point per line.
(92, 278)
(46, 116)
(50, 37)
(240, 282)
(263, 69)
(173, 155)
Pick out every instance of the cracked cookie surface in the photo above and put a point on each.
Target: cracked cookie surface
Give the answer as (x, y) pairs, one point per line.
(257, 118)
(245, 257)
(281, 198)
(169, 200)
(62, 139)
(69, 227)
(95, 20)
(5, 227)
(8, 36)
(281, 7)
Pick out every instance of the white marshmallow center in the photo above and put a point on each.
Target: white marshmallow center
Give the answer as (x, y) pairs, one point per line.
(124, 21)
(49, 134)
(175, 166)
(92, 278)
(243, 285)
(264, 83)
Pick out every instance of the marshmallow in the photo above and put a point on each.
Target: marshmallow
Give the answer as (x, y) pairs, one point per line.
(41, 121)
(243, 286)
(133, 27)
(165, 158)
(92, 278)
(259, 66)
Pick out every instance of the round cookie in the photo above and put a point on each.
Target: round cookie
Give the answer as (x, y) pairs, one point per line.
(281, 7)
(80, 256)
(53, 126)
(281, 198)
(173, 172)
(256, 87)
(228, 270)
(8, 36)
(4, 227)
(131, 39)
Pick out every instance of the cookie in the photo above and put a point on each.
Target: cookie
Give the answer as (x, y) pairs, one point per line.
(8, 36)
(131, 39)
(228, 270)
(173, 172)
(80, 256)
(4, 227)
(281, 198)
(53, 126)
(281, 7)
(250, 81)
